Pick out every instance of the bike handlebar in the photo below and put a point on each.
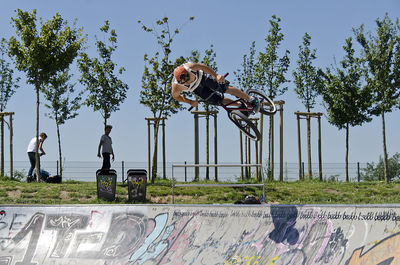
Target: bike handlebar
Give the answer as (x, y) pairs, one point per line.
(225, 75)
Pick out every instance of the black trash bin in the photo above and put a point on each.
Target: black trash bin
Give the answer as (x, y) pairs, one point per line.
(137, 182)
(106, 184)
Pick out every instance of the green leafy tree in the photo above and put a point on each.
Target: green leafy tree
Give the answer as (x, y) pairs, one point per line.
(271, 71)
(8, 86)
(43, 52)
(308, 82)
(373, 172)
(106, 90)
(245, 76)
(306, 76)
(156, 80)
(345, 98)
(62, 104)
(381, 53)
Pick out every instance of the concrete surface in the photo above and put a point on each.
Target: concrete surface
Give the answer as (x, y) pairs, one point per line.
(194, 234)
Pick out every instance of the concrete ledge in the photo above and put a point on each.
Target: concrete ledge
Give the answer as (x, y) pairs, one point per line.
(200, 234)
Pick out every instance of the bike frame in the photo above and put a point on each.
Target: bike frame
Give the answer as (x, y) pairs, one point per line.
(229, 107)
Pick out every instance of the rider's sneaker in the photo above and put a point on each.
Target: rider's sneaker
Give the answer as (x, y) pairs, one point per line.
(255, 103)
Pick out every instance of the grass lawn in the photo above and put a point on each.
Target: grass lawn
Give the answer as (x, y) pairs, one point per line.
(299, 192)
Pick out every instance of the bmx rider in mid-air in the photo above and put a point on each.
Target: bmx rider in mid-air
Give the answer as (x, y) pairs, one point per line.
(207, 84)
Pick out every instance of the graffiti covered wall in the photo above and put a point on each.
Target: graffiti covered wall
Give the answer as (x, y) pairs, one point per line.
(177, 234)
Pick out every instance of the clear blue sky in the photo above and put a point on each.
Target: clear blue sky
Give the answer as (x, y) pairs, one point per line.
(230, 26)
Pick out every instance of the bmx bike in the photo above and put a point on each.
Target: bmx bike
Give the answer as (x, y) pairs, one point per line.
(241, 115)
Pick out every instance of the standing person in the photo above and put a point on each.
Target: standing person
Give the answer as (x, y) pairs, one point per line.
(106, 146)
(32, 147)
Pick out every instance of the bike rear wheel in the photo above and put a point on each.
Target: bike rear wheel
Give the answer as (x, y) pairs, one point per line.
(244, 124)
(263, 99)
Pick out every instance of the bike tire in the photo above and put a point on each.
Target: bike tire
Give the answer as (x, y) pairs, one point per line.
(244, 124)
(263, 99)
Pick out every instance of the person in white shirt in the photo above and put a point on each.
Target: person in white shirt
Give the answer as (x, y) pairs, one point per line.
(106, 148)
(32, 147)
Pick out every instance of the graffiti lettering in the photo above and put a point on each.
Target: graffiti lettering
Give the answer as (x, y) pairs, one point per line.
(65, 227)
(33, 227)
(385, 252)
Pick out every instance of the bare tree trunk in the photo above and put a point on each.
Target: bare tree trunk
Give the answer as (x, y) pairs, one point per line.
(385, 158)
(59, 149)
(155, 153)
(37, 165)
(269, 150)
(207, 147)
(2, 146)
(309, 146)
(347, 152)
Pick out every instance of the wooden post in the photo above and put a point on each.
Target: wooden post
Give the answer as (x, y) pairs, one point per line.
(196, 146)
(259, 170)
(309, 145)
(148, 150)
(241, 154)
(122, 171)
(215, 147)
(281, 142)
(163, 147)
(246, 156)
(358, 171)
(308, 116)
(207, 145)
(256, 154)
(2, 146)
(319, 148)
(299, 144)
(185, 173)
(11, 147)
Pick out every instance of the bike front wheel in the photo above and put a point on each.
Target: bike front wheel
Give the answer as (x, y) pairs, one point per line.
(244, 124)
(264, 100)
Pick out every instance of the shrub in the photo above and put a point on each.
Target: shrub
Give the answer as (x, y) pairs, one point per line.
(376, 172)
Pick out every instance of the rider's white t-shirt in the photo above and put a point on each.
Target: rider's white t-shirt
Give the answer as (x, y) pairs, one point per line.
(192, 87)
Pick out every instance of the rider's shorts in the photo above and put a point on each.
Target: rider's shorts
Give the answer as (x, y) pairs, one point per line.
(210, 90)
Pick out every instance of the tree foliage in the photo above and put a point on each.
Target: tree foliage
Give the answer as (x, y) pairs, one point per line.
(63, 104)
(306, 76)
(43, 52)
(246, 76)
(156, 79)
(271, 69)
(381, 53)
(373, 172)
(345, 98)
(8, 84)
(100, 76)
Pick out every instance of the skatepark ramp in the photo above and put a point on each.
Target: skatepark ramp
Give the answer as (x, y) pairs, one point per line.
(200, 234)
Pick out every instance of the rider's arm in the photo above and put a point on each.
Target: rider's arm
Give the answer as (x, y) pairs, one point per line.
(176, 94)
(205, 69)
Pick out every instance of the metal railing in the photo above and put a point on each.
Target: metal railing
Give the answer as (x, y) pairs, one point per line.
(86, 170)
(216, 185)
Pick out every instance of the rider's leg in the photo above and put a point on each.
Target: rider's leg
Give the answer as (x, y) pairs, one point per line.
(240, 94)
(234, 91)
(227, 101)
